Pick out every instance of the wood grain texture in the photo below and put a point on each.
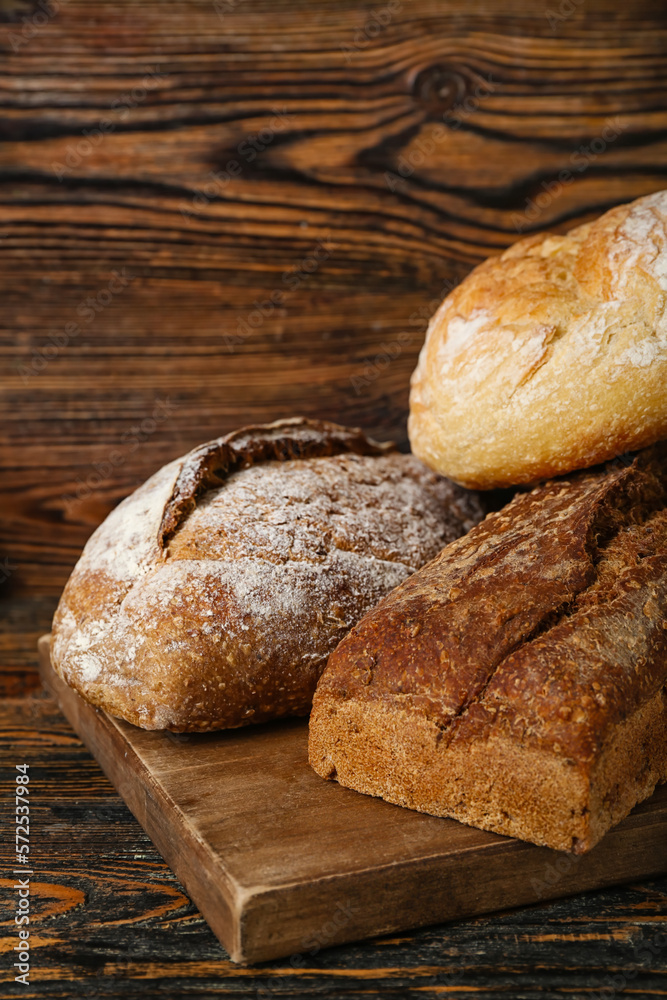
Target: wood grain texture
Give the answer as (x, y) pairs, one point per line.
(363, 102)
(412, 143)
(111, 920)
(22, 621)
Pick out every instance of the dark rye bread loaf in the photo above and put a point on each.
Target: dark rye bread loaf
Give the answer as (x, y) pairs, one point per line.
(213, 595)
(518, 681)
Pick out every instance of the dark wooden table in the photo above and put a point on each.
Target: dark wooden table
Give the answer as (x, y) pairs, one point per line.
(166, 169)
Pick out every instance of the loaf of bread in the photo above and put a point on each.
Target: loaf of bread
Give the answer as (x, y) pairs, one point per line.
(551, 357)
(213, 595)
(517, 682)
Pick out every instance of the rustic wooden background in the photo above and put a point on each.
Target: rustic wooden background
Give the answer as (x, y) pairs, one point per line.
(220, 212)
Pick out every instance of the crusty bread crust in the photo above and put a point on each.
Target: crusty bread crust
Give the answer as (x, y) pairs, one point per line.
(551, 357)
(518, 681)
(213, 595)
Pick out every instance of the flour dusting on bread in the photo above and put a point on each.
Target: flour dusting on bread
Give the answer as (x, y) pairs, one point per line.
(266, 563)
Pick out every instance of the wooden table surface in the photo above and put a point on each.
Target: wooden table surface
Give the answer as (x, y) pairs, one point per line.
(222, 211)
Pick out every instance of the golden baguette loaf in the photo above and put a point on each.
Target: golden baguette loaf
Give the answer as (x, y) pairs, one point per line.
(518, 682)
(551, 357)
(213, 595)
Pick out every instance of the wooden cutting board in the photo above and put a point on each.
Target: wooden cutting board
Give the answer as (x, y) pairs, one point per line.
(282, 863)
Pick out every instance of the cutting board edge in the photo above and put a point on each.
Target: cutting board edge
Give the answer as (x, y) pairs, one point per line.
(587, 874)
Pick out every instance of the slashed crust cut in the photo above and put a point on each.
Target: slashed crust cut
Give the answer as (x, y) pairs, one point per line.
(213, 595)
(518, 681)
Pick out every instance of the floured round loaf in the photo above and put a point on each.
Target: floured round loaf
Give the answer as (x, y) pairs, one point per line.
(551, 357)
(213, 595)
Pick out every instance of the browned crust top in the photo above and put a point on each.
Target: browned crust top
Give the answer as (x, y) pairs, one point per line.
(546, 621)
(209, 465)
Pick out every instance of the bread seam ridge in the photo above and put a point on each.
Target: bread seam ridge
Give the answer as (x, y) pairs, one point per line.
(551, 619)
(208, 466)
